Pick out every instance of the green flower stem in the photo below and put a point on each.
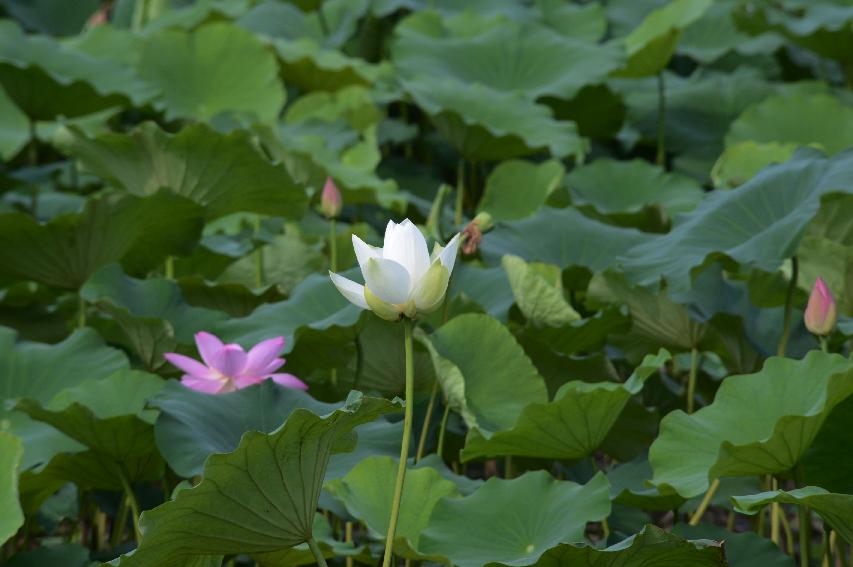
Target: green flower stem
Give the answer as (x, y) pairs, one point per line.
(709, 495)
(660, 159)
(824, 343)
(169, 267)
(259, 256)
(789, 304)
(789, 535)
(333, 245)
(318, 554)
(348, 539)
(774, 513)
(691, 379)
(119, 523)
(427, 419)
(805, 535)
(134, 505)
(404, 447)
(460, 191)
(439, 450)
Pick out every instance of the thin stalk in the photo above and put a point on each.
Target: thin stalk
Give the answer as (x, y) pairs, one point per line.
(169, 267)
(826, 548)
(259, 256)
(824, 344)
(318, 554)
(348, 539)
(691, 379)
(119, 523)
(789, 534)
(333, 245)
(730, 521)
(789, 304)
(100, 521)
(404, 448)
(700, 511)
(605, 530)
(660, 159)
(427, 419)
(805, 535)
(508, 467)
(442, 428)
(774, 513)
(134, 505)
(81, 312)
(460, 191)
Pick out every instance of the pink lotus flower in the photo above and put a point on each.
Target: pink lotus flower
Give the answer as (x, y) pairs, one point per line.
(821, 312)
(331, 201)
(228, 367)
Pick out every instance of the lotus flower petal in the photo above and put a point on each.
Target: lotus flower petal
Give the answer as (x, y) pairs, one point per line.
(204, 385)
(388, 280)
(289, 381)
(191, 366)
(208, 346)
(231, 360)
(352, 291)
(364, 252)
(406, 245)
(261, 355)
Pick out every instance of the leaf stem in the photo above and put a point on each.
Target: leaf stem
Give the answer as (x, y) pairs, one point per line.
(442, 428)
(348, 539)
(824, 343)
(460, 191)
(706, 501)
(259, 256)
(169, 267)
(427, 419)
(119, 523)
(789, 304)
(333, 245)
(805, 522)
(134, 505)
(404, 447)
(318, 554)
(691, 378)
(660, 158)
(774, 513)
(81, 311)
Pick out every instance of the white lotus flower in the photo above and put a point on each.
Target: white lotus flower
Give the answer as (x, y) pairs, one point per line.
(401, 278)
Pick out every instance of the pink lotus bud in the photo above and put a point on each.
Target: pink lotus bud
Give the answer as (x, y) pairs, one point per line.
(330, 200)
(821, 312)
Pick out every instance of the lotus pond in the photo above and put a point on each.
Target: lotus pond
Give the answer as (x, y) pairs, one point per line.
(426, 282)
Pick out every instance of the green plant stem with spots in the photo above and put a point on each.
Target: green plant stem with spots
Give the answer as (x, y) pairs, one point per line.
(427, 418)
(133, 504)
(317, 552)
(691, 379)
(404, 447)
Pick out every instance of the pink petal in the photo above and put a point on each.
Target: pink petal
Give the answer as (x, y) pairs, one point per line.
(202, 385)
(230, 361)
(208, 346)
(190, 366)
(271, 367)
(262, 355)
(246, 380)
(289, 381)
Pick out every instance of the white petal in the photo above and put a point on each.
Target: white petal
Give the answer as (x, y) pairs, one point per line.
(448, 254)
(352, 291)
(389, 231)
(407, 246)
(364, 252)
(387, 280)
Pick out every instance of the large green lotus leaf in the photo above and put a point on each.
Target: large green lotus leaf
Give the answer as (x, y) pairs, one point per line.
(47, 80)
(586, 21)
(629, 487)
(314, 304)
(190, 17)
(823, 27)
(656, 320)
(216, 69)
(486, 287)
(485, 374)
(699, 109)
(329, 23)
(824, 465)
(14, 127)
(316, 149)
(66, 554)
(538, 292)
(366, 493)
(571, 426)
(152, 314)
(514, 522)
(507, 8)
(234, 299)
(652, 547)
(354, 104)
(40, 372)
(717, 34)
(507, 58)
(563, 237)
(735, 436)
(138, 231)
(582, 335)
(741, 161)
(742, 549)
(11, 453)
(259, 499)
(52, 17)
(383, 359)
(820, 120)
(835, 509)
(309, 65)
(484, 124)
(109, 417)
(193, 425)
(630, 191)
(651, 44)
(744, 226)
(223, 172)
(502, 197)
